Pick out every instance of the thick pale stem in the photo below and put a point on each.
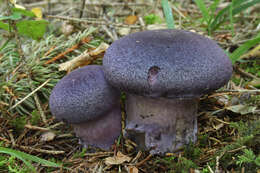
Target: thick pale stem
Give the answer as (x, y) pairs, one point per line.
(101, 132)
(159, 124)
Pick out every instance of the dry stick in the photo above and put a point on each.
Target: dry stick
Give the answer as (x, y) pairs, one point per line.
(233, 92)
(246, 74)
(43, 3)
(84, 57)
(237, 149)
(28, 126)
(82, 8)
(30, 94)
(99, 154)
(210, 169)
(93, 22)
(56, 125)
(137, 157)
(38, 105)
(143, 161)
(33, 149)
(61, 55)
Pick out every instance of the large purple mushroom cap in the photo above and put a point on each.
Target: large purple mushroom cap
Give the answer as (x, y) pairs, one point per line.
(166, 63)
(83, 95)
(163, 73)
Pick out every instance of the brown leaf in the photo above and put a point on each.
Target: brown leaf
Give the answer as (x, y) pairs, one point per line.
(132, 169)
(118, 159)
(242, 109)
(255, 83)
(130, 20)
(47, 136)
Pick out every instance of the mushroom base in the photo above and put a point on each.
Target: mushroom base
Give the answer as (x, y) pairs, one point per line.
(100, 132)
(161, 125)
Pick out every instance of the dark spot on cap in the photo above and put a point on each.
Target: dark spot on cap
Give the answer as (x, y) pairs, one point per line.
(152, 75)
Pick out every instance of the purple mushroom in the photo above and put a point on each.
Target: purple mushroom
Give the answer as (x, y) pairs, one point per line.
(84, 99)
(164, 72)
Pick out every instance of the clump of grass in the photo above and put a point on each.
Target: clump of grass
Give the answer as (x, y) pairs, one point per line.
(215, 19)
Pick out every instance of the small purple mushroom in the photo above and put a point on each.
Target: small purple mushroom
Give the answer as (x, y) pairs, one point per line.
(164, 72)
(84, 99)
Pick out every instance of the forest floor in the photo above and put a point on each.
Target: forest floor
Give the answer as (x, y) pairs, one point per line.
(228, 119)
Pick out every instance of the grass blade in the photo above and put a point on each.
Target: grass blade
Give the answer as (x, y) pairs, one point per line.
(27, 157)
(234, 56)
(231, 17)
(168, 14)
(202, 6)
(238, 6)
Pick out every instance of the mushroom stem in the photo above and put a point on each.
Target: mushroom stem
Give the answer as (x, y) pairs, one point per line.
(159, 124)
(100, 132)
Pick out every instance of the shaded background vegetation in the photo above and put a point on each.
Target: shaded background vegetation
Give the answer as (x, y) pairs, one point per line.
(229, 124)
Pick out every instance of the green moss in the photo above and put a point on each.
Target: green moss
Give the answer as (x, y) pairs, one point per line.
(18, 123)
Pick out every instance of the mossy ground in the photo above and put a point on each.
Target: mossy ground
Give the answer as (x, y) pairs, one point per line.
(229, 119)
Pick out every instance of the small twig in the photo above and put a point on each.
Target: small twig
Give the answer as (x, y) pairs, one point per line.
(39, 107)
(104, 27)
(237, 149)
(56, 125)
(217, 165)
(246, 74)
(82, 8)
(43, 3)
(143, 161)
(54, 152)
(99, 154)
(93, 22)
(83, 58)
(28, 126)
(29, 94)
(137, 157)
(141, 21)
(210, 170)
(84, 40)
(239, 90)
(33, 149)
(11, 138)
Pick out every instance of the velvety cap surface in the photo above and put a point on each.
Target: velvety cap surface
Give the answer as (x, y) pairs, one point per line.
(83, 95)
(166, 63)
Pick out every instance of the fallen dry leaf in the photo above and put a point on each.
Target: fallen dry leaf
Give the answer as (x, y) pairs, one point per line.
(130, 20)
(255, 83)
(38, 13)
(242, 109)
(118, 159)
(124, 31)
(47, 136)
(132, 169)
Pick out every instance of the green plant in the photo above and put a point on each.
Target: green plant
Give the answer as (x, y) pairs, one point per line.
(183, 165)
(80, 154)
(191, 152)
(18, 123)
(234, 56)
(168, 14)
(248, 136)
(26, 158)
(152, 19)
(36, 117)
(214, 19)
(10, 164)
(248, 159)
(23, 21)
